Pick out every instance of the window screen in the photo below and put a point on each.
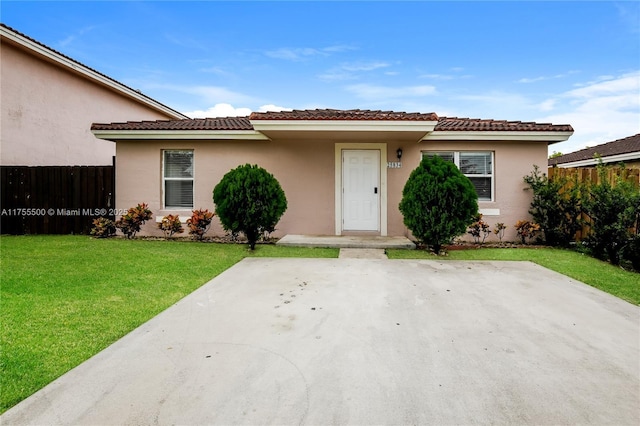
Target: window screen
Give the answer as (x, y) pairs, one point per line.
(477, 166)
(178, 179)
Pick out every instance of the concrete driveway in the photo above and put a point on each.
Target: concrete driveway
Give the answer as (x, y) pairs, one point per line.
(361, 341)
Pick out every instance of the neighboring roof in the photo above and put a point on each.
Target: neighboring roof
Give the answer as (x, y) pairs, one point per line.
(431, 126)
(16, 37)
(624, 149)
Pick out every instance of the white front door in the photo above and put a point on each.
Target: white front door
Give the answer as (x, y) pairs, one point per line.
(361, 190)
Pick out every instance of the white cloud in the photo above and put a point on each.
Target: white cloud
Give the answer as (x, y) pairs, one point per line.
(547, 77)
(348, 71)
(373, 92)
(219, 110)
(599, 112)
(271, 107)
(228, 110)
(301, 53)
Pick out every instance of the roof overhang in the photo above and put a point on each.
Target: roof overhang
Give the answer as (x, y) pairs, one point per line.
(116, 135)
(548, 137)
(619, 158)
(402, 129)
(75, 67)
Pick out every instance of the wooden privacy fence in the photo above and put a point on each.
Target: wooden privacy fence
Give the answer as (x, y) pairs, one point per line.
(591, 175)
(587, 175)
(55, 199)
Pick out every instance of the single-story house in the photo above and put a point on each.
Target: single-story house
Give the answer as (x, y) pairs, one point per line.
(625, 150)
(342, 171)
(50, 100)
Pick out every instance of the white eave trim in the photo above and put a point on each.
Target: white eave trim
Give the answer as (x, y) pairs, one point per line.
(594, 161)
(114, 135)
(343, 125)
(86, 72)
(550, 137)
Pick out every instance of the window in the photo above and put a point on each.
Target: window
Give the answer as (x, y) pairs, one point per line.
(477, 166)
(177, 176)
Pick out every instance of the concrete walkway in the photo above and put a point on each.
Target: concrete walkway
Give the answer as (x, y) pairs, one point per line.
(360, 342)
(344, 241)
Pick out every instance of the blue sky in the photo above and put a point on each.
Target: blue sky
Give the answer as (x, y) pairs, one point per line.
(572, 62)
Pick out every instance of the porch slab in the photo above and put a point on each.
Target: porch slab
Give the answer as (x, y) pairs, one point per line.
(346, 241)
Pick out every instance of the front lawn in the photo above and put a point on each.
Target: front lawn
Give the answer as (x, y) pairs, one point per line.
(596, 273)
(65, 298)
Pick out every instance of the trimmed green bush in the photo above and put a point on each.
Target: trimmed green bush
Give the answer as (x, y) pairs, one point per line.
(250, 200)
(613, 213)
(555, 206)
(438, 202)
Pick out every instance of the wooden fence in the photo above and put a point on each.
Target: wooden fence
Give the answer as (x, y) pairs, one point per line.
(586, 175)
(590, 174)
(55, 199)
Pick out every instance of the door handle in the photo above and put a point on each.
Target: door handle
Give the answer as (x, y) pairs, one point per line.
(375, 190)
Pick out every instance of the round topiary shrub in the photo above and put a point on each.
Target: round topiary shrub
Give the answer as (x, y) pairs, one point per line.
(250, 200)
(438, 202)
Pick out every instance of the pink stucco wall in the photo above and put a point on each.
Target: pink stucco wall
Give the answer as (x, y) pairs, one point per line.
(306, 170)
(47, 112)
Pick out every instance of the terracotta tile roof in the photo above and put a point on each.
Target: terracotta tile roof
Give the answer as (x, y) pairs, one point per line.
(225, 123)
(620, 146)
(336, 114)
(244, 123)
(455, 124)
(151, 100)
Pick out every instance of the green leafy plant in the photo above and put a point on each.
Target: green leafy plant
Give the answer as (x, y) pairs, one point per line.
(499, 230)
(527, 229)
(556, 207)
(199, 223)
(250, 200)
(613, 213)
(479, 230)
(131, 222)
(103, 228)
(438, 202)
(170, 225)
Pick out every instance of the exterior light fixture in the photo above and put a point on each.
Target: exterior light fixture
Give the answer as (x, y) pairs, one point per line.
(399, 154)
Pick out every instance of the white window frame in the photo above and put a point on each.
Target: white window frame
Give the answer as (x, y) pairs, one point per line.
(165, 179)
(456, 161)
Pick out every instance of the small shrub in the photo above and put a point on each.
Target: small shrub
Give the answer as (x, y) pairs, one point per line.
(250, 200)
(499, 230)
(199, 223)
(479, 230)
(631, 251)
(613, 213)
(555, 207)
(103, 228)
(170, 225)
(527, 229)
(438, 202)
(131, 222)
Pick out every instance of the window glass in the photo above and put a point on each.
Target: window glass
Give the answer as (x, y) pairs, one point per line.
(178, 179)
(446, 156)
(477, 166)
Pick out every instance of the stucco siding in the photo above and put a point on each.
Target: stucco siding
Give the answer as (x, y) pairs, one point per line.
(47, 112)
(306, 170)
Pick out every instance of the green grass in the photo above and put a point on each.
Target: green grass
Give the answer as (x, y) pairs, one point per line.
(602, 275)
(65, 298)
